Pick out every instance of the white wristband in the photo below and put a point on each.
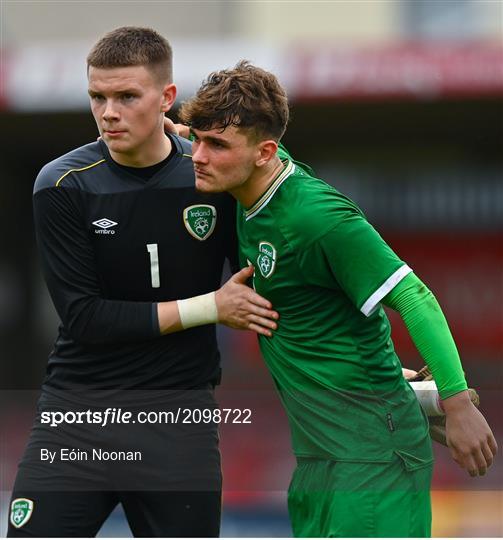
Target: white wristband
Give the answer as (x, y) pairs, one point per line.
(428, 396)
(198, 310)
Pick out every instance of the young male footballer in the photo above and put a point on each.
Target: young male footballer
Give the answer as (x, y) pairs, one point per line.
(132, 256)
(360, 437)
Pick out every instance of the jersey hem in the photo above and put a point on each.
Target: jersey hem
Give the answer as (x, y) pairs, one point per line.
(395, 455)
(324, 457)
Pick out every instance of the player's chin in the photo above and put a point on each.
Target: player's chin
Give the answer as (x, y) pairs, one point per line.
(121, 147)
(203, 185)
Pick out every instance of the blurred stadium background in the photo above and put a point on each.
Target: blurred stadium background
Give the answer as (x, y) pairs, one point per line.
(397, 103)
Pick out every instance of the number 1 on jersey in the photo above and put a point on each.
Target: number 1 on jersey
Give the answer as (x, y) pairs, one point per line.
(154, 265)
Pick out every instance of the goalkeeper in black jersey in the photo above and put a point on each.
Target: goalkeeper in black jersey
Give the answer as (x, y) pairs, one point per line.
(132, 256)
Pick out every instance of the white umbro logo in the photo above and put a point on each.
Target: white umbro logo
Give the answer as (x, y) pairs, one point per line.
(104, 225)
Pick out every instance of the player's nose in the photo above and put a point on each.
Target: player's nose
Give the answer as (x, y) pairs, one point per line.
(199, 154)
(110, 111)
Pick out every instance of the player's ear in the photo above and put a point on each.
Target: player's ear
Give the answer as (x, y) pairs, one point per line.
(168, 97)
(266, 151)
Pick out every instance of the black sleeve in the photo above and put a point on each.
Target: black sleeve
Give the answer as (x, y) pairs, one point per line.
(70, 272)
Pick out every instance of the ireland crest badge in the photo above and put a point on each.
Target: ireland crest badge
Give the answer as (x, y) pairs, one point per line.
(266, 260)
(200, 220)
(20, 512)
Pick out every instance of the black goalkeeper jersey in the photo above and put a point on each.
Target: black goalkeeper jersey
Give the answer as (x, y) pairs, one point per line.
(113, 245)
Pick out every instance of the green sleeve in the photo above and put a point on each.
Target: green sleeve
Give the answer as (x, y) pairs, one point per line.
(351, 255)
(430, 333)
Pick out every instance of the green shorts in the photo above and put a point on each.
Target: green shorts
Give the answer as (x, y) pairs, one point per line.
(339, 499)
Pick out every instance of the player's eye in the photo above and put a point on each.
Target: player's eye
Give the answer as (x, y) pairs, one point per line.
(97, 97)
(127, 97)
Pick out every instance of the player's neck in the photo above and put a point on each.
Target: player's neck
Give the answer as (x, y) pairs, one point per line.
(258, 183)
(149, 153)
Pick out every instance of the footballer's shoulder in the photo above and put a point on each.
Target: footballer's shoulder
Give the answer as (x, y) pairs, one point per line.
(183, 145)
(315, 207)
(184, 175)
(180, 169)
(59, 172)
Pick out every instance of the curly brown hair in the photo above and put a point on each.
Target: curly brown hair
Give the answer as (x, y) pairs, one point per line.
(245, 96)
(134, 46)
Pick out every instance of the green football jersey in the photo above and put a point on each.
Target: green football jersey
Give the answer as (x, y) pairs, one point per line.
(325, 270)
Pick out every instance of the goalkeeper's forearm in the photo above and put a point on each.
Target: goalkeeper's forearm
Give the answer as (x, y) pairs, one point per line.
(234, 304)
(182, 314)
(428, 329)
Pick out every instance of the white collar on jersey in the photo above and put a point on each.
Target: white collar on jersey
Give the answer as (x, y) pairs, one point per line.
(270, 191)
